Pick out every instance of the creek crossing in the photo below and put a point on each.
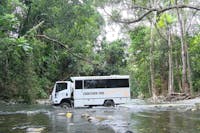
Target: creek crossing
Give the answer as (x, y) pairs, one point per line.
(136, 117)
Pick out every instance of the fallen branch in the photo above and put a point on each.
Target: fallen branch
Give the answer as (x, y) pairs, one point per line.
(178, 96)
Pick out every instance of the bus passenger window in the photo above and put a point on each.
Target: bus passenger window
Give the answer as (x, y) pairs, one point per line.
(78, 84)
(118, 83)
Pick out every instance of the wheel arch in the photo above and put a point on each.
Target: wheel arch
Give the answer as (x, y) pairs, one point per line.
(109, 102)
(67, 100)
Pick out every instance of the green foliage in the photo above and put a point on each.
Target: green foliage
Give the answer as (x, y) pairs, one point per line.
(166, 26)
(138, 63)
(195, 61)
(112, 58)
(30, 66)
(165, 20)
(115, 14)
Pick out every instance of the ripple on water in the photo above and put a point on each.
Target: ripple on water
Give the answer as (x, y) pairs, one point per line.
(35, 129)
(30, 128)
(32, 112)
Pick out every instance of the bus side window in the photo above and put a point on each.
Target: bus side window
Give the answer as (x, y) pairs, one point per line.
(105, 83)
(78, 84)
(102, 83)
(115, 83)
(89, 84)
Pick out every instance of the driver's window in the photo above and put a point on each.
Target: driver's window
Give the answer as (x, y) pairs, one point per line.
(61, 86)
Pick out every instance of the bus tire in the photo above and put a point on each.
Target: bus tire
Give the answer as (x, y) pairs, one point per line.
(90, 106)
(109, 103)
(65, 105)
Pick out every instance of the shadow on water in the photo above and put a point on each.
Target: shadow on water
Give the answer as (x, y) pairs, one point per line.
(46, 119)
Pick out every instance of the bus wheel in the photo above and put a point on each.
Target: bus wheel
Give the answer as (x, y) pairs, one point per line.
(90, 106)
(109, 103)
(65, 105)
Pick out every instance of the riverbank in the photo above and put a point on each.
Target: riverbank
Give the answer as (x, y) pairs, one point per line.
(148, 102)
(43, 101)
(181, 105)
(13, 102)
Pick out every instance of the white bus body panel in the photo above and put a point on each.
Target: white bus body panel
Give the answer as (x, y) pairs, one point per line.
(93, 96)
(89, 97)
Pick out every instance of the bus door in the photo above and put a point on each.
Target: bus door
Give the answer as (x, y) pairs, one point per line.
(78, 93)
(62, 90)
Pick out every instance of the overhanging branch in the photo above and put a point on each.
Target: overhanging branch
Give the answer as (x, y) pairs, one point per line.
(81, 57)
(136, 20)
(158, 10)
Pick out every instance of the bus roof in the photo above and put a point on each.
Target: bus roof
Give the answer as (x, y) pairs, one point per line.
(100, 77)
(62, 81)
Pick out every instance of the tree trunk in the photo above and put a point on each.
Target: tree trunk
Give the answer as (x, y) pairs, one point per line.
(152, 72)
(170, 61)
(178, 76)
(151, 51)
(185, 84)
(189, 74)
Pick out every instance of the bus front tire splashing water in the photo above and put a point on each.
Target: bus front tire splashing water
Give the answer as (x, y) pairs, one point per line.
(65, 105)
(109, 103)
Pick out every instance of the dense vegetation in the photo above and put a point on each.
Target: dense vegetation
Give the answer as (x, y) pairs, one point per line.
(42, 41)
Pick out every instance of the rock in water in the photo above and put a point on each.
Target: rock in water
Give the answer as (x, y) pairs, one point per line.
(35, 129)
(85, 115)
(61, 114)
(91, 119)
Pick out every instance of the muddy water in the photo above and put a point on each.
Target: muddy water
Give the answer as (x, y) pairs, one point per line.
(48, 119)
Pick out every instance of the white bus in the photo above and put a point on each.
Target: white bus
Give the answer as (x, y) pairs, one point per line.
(91, 91)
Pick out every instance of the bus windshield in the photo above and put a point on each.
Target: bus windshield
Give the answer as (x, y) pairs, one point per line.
(61, 86)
